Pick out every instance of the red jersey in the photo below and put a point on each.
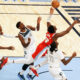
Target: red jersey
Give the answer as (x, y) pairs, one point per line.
(43, 44)
(49, 38)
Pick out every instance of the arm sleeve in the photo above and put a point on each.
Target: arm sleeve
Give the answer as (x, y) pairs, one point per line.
(8, 36)
(48, 19)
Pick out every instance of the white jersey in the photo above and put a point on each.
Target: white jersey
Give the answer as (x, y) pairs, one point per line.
(28, 34)
(55, 58)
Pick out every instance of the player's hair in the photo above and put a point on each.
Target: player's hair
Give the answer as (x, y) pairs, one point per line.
(18, 24)
(53, 46)
(51, 29)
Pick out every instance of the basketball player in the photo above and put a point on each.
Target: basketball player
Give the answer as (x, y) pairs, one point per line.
(51, 36)
(54, 57)
(27, 41)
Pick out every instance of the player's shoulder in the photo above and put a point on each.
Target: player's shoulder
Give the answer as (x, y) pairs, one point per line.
(47, 32)
(27, 27)
(59, 52)
(61, 55)
(50, 34)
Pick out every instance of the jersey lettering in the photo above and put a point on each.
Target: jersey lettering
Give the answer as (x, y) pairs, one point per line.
(51, 59)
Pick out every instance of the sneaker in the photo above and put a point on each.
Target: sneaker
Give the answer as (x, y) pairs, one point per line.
(34, 71)
(3, 61)
(29, 77)
(21, 76)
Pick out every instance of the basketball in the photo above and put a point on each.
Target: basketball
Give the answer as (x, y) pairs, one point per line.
(55, 4)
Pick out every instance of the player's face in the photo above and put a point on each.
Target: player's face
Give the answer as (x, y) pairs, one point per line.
(57, 44)
(55, 28)
(22, 26)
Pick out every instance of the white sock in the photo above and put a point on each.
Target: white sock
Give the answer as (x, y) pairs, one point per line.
(24, 61)
(30, 73)
(20, 61)
(22, 72)
(10, 61)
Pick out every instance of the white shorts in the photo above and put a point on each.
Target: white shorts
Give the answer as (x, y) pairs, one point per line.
(29, 59)
(30, 50)
(28, 55)
(57, 73)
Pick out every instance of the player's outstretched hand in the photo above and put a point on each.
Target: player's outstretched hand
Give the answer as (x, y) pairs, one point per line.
(39, 19)
(74, 54)
(76, 21)
(1, 33)
(11, 48)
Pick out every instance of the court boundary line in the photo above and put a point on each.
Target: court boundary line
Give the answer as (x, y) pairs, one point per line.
(67, 21)
(27, 4)
(30, 13)
(46, 72)
(71, 6)
(74, 13)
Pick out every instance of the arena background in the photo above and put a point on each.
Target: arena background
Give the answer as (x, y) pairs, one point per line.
(27, 11)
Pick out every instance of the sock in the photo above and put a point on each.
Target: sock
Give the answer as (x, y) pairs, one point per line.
(22, 72)
(10, 61)
(30, 73)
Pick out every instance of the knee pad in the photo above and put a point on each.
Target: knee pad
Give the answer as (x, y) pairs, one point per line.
(32, 64)
(25, 66)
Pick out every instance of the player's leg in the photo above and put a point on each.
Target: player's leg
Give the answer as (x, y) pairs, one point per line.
(39, 48)
(3, 61)
(57, 73)
(35, 68)
(21, 73)
(27, 52)
(29, 75)
(28, 56)
(28, 60)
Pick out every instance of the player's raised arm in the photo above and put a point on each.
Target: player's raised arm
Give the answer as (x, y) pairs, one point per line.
(23, 42)
(38, 25)
(48, 19)
(67, 30)
(10, 47)
(65, 62)
(9, 36)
